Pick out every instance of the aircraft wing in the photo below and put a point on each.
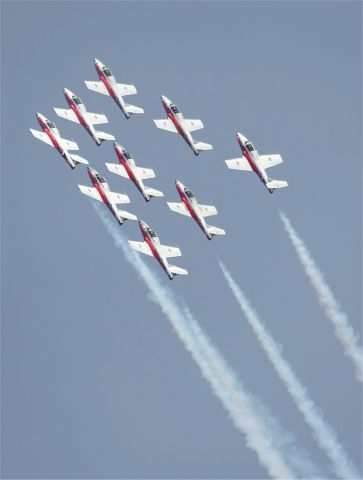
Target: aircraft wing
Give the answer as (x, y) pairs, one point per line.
(68, 114)
(98, 87)
(267, 161)
(239, 163)
(124, 90)
(166, 124)
(118, 198)
(91, 192)
(144, 173)
(192, 125)
(118, 169)
(168, 252)
(68, 144)
(179, 208)
(41, 136)
(142, 247)
(207, 210)
(96, 118)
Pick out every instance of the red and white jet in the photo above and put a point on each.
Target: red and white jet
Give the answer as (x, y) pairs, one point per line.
(128, 169)
(101, 192)
(251, 161)
(109, 86)
(152, 246)
(176, 123)
(77, 113)
(51, 136)
(190, 207)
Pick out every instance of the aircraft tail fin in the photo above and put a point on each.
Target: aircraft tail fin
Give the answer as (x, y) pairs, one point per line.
(275, 184)
(177, 270)
(133, 109)
(105, 136)
(153, 193)
(215, 230)
(200, 146)
(122, 215)
(77, 159)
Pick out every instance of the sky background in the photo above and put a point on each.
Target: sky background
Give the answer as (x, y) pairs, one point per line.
(95, 383)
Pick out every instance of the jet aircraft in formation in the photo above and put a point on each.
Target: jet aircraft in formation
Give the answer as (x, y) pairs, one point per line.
(152, 246)
(101, 192)
(190, 207)
(109, 86)
(77, 113)
(252, 161)
(51, 136)
(175, 122)
(127, 168)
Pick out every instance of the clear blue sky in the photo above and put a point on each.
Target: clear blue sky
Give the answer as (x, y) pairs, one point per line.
(95, 384)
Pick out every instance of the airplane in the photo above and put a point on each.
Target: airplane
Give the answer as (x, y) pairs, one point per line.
(101, 192)
(128, 169)
(252, 161)
(178, 124)
(77, 113)
(109, 86)
(190, 207)
(152, 246)
(51, 136)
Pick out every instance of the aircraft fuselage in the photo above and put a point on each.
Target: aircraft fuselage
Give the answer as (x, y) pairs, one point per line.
(110, 83)
(153, 241)
(128, 163)
(103, 189)
(77, 106)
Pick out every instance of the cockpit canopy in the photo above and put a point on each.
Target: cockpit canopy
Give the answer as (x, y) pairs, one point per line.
(188, 193)
(107, 72)
(100, 178)
(151, 232)
(174, 108)
(126, 155)
(76, 100)
(250, 147)
(50, 124)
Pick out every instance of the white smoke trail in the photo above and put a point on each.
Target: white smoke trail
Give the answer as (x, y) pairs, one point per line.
(324, 435)
(225, 386)
(332, 310)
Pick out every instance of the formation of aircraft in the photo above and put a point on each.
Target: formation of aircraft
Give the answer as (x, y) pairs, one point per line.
(127, 168)
(152, 246)
(176, 123)
(101, 192)
(51, 136)
(109, 86)
(77, 113)
(252, 161)
(190, 207)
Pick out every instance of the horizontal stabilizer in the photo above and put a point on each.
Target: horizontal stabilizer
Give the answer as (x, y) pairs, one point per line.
(118, 169)
(239, 163)
(105, 136)
(41, 136)
(133, 109)
(274, 184)
(215, 230)
(202, 146)
(78, 159)
(179, 208)
(177, 270)
(166, 124)
(153, 193)
(98, 87)
(125, 215)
